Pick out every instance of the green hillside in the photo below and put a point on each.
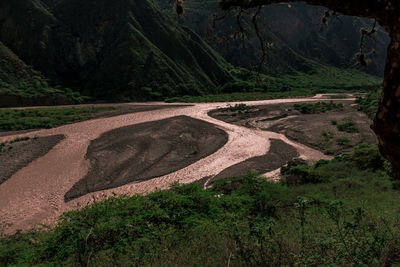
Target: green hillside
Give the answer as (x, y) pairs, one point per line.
(128, 50)
(20, 84)
(294, 34)
(122, 49)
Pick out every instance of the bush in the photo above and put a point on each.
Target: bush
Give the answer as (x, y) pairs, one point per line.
(319, 107)
(348, 127)
(238, 107)
(343, 141)
(297, 172)
(364, 156)
(369, 103)
(367, 156)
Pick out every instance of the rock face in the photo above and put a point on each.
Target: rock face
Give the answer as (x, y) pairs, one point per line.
(122, 48)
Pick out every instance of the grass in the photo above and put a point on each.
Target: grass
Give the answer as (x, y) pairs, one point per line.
(335, 213)
(22, 119)
(319, 107)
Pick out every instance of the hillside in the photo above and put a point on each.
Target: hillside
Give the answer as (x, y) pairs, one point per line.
(297, 36)
(111, 49)
(128, 50)
(21, 85)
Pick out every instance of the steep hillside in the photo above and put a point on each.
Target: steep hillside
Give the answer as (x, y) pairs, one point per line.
(295, 34)
(21, 85)
(135, 50)
(119, 49)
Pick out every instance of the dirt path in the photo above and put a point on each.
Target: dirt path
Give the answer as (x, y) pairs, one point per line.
(35, 194)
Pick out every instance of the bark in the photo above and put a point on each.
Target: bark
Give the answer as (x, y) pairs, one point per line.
(387, 13)
(387, 120)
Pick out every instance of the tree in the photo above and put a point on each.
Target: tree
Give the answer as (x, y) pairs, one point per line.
(387, 13)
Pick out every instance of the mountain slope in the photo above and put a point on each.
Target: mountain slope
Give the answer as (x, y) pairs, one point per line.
(22, 85)
(134, 50)
(296, 35)
(119, 49)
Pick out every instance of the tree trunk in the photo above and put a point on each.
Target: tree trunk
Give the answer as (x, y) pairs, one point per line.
(387, 120)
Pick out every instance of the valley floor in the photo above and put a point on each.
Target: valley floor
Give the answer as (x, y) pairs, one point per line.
(36, 194)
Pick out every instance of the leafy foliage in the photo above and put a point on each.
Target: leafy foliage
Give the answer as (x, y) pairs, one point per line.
(347, 126)
(368, 103)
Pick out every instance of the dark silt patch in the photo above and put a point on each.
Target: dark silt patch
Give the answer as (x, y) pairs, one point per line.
(144, 151)
(19, 153)
(279, 154)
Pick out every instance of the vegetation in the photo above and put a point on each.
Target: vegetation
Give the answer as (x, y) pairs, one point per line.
(154, 76)
(5, 146)
(250, 86)
(39, 90)
(347, 126)
(19, 80)
(22, 119)
(339, 212)
(368, 103)
(238, 107)
(319, 107)
(343, 141)
(232, 97)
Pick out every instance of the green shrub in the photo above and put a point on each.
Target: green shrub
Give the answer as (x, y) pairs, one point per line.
(348, 127)
(319, 107)
(367, 156)
(297, 172)
(364, 156)
(343, 141)
(369, 103)
(237, 107)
